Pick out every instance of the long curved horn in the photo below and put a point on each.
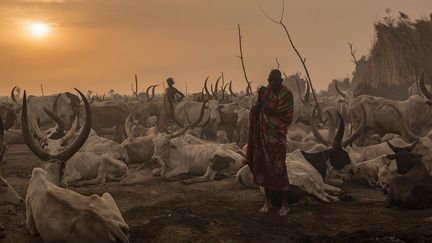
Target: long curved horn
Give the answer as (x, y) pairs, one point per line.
(147, 92)
(411, 147)
(337, 142)
(82, 137)
(128, 131)
(38, 132)
(307, 93)
(230, 89)
(423, 87)
(200, 117)
(359, 130)
(60, 122)
(406, 130)
(93, 98)
(332, 128)
(393, 148)
(13, 95)
(71, 131)
(31, 143)
(55, 104)
(215, 92)
(339, 90)
(205, 87)
(358, 90)
(223, 92)
(314, 129)
(153, 91)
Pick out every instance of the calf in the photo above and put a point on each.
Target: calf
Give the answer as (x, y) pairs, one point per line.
(413, 188)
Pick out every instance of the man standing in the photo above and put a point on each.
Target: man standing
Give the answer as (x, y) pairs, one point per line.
(172, 96)
(269, 120)
(171, 92)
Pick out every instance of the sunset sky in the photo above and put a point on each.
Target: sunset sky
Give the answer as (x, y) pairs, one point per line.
(101, 44)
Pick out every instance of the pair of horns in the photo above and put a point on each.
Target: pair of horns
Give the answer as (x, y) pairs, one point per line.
(71, 150)
(185, 128)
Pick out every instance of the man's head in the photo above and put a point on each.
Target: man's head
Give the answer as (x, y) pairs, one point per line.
(170, 81)
(275, 79)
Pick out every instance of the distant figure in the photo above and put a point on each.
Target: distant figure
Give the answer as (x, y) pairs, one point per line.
(266, 150)
(172, 93)
(172, 96)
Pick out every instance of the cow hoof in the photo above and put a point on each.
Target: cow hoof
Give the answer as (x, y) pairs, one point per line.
(283, 212)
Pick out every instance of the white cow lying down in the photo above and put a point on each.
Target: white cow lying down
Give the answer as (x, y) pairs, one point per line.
(301, 174)
(61, 215)
(90, 168)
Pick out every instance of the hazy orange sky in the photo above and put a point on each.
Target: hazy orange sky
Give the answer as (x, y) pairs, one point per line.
(101, 44)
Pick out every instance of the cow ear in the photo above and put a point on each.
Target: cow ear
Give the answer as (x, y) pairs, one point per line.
(391, 156)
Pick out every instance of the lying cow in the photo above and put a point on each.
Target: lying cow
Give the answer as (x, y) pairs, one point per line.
(413, 188)
(313, 171)
(61, 215)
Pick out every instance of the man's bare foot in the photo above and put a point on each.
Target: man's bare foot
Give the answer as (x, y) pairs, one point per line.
(283, 211)
(265, 209)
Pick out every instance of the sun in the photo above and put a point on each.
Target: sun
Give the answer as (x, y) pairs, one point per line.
(39, 30)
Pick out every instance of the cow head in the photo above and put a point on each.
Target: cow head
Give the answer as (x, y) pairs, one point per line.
(8, 196)
(405, 159)
(63, 156)
(164, 146)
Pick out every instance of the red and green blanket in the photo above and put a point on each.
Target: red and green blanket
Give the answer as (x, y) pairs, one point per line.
(266, 150)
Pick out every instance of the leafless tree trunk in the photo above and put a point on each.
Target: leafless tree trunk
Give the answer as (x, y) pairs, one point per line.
(352, 51)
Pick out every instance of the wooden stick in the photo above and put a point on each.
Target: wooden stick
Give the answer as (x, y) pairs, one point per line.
(43, 95)
(242, 61)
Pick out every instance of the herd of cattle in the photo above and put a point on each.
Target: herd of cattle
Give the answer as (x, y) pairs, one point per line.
(84, 141)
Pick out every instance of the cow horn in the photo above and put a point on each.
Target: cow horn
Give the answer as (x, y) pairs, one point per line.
(332, 128)
(339, 90)
(215, 91)
(71, 131)
(412, 146)
(314, 129)
(393, 148)
(82, 137)
(423, 87)
(405, 129)
(223, 92)
(147, 92)
(93, 98)
(359, 131)
(128, 131)
(153, 91)
(55, 104)
(307, 93)
(205, 87)
(337, 142)
(230, 89)
(200, 117)
(358, 90)
(38, 132)
(60, 122)
(13, 94)
(31, 143)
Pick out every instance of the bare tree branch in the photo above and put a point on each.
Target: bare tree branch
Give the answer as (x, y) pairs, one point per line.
(352, 53)
(248, 88)
(303, 60)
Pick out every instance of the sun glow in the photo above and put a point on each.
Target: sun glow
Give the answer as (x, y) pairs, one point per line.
(39, 29)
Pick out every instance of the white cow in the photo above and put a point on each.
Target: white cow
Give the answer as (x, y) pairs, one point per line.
(61, 215)
(178, 158)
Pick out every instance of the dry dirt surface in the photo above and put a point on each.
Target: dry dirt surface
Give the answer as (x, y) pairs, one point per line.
(223, 211)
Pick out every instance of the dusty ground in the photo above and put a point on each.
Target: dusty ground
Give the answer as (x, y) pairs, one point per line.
(223, 211)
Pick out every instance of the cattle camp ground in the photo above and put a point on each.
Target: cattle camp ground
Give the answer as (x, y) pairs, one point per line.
(224, 211)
